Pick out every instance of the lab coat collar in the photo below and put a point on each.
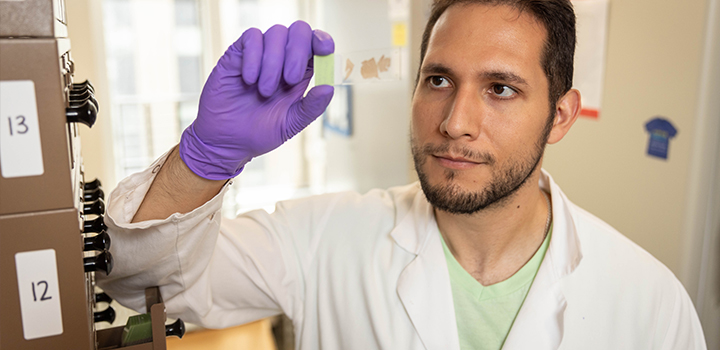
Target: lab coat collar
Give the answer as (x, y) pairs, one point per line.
(539, 324)
(565, 251)
(416, 222)
(424, 285)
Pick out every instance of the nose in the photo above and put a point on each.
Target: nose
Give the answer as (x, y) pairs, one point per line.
(464, 116)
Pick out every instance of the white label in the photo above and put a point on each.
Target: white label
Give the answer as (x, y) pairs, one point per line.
(39, 293)
(20, 151)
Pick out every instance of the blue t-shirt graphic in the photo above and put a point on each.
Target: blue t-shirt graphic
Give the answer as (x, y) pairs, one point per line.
(661, 131)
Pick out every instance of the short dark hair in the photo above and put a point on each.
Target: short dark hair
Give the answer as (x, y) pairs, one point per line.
(557, 16)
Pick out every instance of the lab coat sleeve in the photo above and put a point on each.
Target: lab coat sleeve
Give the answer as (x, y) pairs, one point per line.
(682, 330)
(210, 272)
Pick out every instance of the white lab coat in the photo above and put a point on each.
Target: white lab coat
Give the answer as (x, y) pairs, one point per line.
(368, 272)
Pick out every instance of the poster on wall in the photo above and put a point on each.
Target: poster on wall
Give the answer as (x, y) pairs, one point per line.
(338, 115)
(592, 19)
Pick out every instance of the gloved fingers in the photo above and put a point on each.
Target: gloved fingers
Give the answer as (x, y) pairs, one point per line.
(252, 53)
(308, 109)
(298, 52)
(273, 58)
(231, 61)
(322, 43)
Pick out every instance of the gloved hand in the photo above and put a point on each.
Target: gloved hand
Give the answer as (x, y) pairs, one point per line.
(253, 100)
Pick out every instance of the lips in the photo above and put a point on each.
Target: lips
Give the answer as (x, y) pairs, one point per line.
(455, 158)
(451, 156)
(455, 162)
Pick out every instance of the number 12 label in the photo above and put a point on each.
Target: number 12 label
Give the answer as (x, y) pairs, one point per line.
(39, 293)
(20, 150)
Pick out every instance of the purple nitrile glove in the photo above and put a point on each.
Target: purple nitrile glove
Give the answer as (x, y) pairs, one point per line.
(253, 100)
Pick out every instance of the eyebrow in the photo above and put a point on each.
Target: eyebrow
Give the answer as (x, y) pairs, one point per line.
(436, 68)
(505, 76)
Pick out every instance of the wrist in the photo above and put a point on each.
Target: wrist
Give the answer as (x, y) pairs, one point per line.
(208, 161)
(176, 189)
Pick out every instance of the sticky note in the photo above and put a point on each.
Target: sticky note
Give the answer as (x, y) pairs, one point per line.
(399, 34)
(324, 70)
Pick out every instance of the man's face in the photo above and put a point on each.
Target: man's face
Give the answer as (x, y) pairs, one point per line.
(480, 108)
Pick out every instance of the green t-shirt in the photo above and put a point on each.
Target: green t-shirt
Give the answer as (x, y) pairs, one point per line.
(485, 314)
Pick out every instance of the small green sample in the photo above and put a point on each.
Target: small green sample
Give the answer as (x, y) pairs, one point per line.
(324, 70)
(138, 330)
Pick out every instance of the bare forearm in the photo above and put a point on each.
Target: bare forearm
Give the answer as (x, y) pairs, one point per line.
(176, 189)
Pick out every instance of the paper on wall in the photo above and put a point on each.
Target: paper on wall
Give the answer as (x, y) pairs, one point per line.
(592, 19)
(398, 10)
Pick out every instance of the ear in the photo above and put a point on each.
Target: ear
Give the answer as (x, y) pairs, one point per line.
(566, 113)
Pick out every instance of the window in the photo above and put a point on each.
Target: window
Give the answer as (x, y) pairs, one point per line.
(159, 53)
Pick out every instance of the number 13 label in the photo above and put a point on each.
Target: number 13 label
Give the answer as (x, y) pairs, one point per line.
(39, 293)
(20, 150)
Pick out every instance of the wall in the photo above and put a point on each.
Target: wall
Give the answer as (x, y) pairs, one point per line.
(377, 152)
(702, 266)
(86, 37)
(653, 54)
(662, 60)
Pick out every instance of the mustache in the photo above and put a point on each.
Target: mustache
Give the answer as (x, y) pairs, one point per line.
(470, 154)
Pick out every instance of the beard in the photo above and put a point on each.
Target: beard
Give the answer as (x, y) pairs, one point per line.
(506, 179)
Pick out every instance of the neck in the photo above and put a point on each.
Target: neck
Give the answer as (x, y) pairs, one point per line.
(494, 243)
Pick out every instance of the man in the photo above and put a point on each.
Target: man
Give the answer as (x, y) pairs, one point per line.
(476, 256)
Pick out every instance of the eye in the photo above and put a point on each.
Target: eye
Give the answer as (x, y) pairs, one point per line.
(502, 90)
(438, 81)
